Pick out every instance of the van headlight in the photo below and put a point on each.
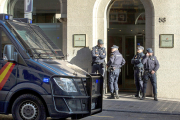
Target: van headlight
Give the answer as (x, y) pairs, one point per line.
(65, 84)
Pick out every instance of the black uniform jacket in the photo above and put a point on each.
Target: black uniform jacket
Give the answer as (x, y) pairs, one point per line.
(150, 63)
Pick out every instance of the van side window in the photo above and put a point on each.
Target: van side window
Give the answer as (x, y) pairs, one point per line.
(4, 43)
(4, 40)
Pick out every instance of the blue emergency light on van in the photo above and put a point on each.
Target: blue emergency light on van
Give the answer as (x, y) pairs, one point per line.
(6, 17)
(46, 80)
(38, 82)
(96, 81)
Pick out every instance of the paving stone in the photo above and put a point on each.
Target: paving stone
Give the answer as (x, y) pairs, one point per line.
(129, 103)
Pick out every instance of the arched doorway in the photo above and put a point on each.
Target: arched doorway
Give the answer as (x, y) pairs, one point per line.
(126, 29)
(100, 24)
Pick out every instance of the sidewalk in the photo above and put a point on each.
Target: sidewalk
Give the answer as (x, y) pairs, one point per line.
(128, 103)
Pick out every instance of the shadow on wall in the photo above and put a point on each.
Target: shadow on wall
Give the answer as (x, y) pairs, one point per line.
(82, 58)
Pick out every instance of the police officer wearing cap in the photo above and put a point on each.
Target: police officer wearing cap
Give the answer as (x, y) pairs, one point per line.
(151, 65)
(138, 69)
(114, 64)
(98, 60)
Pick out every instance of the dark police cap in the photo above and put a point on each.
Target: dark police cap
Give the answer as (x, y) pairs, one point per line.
(100, 41)
(114, 46)
(140, 48)
(138, 44)
(149, 50)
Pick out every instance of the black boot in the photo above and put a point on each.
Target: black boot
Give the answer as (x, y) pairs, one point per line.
(155, 97)
(137, 94)
(143, 96)
(117, 94)
(112, 96)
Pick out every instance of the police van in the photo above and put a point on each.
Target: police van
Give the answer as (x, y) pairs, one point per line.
(35, 80)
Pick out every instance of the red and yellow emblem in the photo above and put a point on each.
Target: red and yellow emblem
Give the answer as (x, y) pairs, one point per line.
(5, 73)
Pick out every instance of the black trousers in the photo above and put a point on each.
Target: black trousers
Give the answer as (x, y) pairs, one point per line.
(153, 80)
(138, 75)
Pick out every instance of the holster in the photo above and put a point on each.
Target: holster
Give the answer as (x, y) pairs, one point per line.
(92, 63)
(110, 69)
(103, 64)
(141, 72)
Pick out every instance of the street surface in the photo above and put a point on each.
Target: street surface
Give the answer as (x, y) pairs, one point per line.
(107, 115)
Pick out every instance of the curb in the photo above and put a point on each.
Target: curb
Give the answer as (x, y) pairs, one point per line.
(144, 112)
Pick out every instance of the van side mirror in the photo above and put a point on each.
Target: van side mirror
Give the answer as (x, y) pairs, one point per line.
(10, 54)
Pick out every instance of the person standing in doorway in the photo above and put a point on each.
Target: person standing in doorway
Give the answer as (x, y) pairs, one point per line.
(98, 60)
(138, 70)
(114, 68)
(151, 65)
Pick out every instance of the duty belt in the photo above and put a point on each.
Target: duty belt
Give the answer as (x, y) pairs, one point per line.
(110, 69)
(148, 71)
(137, 68)
(97, 63)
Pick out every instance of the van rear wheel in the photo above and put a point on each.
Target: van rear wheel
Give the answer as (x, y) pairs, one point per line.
(28, 107)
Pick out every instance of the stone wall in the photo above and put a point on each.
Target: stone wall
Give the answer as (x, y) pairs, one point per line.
(168, 74)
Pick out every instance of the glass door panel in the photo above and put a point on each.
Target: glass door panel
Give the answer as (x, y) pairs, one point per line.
(128, 70)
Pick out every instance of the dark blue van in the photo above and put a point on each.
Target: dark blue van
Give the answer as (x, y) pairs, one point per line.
(35, 80)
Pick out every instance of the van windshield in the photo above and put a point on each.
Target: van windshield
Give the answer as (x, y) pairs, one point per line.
(34, 42)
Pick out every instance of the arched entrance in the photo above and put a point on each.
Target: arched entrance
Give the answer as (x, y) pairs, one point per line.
(126, 29)
(101, 21)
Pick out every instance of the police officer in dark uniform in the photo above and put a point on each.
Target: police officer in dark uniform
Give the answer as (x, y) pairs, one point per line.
(114, 64)
(98, 58)
(151, 65)
(138, 70)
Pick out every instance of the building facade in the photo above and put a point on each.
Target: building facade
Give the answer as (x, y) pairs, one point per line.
(121, 22)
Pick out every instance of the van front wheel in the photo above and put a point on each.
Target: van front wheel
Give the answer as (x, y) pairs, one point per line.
(28, 107)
